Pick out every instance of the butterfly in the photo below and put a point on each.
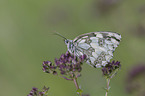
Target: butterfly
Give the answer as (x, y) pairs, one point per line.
(98, 46)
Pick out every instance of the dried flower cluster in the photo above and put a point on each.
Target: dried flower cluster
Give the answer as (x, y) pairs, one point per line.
(111, 68)
(35, 92)
(69, 66)
(48, 67)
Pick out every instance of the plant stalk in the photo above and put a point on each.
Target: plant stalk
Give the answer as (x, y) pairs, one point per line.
(108, 87)
(77, 86)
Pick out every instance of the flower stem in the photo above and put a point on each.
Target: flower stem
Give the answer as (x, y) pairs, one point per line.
(108, 87)
(76, 83)
(77, 86)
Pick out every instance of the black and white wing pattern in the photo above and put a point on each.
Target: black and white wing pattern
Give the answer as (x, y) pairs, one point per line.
(98, 46)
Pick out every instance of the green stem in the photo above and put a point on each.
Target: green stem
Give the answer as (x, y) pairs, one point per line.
(108, 87)
(77, 86)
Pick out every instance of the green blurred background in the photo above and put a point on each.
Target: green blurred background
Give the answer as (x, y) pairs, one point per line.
(26, 40)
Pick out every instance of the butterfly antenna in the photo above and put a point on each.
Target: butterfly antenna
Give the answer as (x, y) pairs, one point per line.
(56, 33)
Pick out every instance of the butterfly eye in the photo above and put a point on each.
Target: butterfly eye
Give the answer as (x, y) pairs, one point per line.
(66, 41)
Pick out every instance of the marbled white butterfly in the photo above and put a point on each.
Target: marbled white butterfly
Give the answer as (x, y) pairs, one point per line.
(98, 46)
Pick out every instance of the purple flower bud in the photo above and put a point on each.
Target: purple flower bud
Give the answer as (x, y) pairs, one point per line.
(47, 63)
(41, 93)
(67, 54)
(79, 69)
(33, 92)
(62, 66)
(62, 56)
(57, 62)
(34, 89)
(104, 70)
(62, 72)
(69, 59)
(54, 73)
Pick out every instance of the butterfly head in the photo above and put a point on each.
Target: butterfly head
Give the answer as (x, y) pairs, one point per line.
(70, 45)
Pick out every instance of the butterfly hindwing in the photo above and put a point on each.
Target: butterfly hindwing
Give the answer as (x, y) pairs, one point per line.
(98, 46)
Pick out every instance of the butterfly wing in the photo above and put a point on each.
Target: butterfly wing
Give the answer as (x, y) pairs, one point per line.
(98, 46)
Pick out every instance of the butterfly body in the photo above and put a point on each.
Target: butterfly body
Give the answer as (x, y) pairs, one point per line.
(98, 46)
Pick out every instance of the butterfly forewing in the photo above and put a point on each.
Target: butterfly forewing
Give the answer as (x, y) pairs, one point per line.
(98, 46)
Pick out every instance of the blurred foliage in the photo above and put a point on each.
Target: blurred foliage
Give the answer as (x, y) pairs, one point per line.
(26, 40)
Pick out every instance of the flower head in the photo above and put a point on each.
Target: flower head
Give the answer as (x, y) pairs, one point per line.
(69, 65)
(110, 69)
(35, 92)
(48, 67)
